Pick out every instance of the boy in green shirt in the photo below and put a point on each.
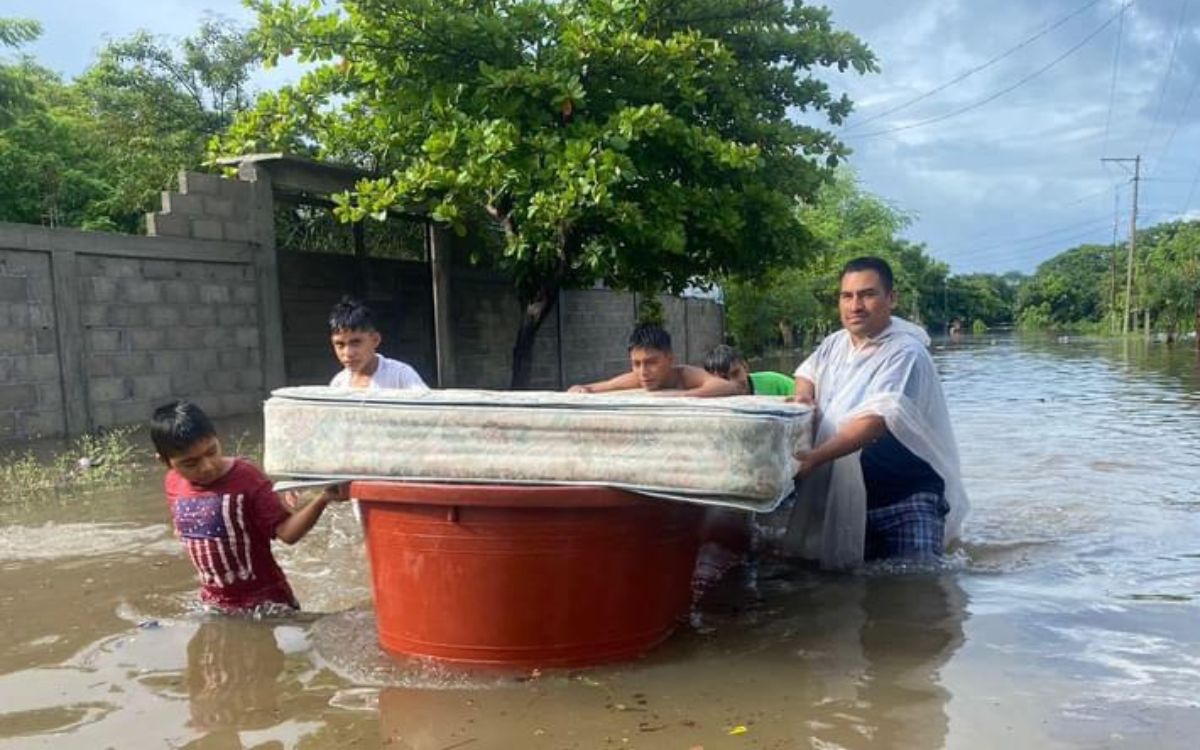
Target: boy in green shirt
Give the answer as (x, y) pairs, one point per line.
(726, 362)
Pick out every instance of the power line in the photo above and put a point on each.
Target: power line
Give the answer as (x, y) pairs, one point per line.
(1068, 204)
(1187, 203)
(978, 68)
(1089, 196)
(1032, 237)
(1112, 85)
(1005, 90)
(1187, 102)
(1001, 254)
(1031, 254)
(1014, 250)
(1166, 80)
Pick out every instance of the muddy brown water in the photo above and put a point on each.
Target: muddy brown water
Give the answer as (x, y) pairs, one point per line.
(1071, 618)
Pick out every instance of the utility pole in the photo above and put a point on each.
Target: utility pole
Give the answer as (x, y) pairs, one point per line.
(1137, 176)
(1112, 262)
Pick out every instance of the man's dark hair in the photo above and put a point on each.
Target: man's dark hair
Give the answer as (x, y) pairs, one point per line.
(650, 336)
(721, 360)
(177, 426)
(871, 263)
(350, 315)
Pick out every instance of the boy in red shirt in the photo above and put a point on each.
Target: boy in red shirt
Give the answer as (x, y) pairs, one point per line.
(226, 513)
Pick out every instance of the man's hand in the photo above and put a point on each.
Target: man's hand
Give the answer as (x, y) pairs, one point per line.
(852, 436)
(806, 392)
(580, 389)
(807, 465)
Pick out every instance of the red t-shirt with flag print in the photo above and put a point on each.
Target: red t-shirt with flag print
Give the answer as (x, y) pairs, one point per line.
(226, 528)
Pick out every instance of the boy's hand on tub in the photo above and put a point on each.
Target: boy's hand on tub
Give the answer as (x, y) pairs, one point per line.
(336, 493)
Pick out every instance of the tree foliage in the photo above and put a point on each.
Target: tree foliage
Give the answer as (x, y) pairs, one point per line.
(1068, 288)
(13, 88)
(52, 170)
(1171, 281)
(96, 151)
(1085, 286)
(646, 144)
(797, 297)
(987, 298)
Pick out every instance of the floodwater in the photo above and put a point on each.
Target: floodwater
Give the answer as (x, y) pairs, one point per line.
(1071, 617)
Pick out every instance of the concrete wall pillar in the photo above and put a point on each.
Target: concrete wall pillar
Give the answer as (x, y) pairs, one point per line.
(261, 228)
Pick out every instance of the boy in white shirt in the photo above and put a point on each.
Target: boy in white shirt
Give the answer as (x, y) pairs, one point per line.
(355, 339)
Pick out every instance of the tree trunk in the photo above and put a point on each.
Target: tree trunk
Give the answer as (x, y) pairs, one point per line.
(787, 334)
(536, 312)
(1196, 304)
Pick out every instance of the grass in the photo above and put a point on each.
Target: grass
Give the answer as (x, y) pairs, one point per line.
(105, 459)
(99, 460)
(245, 445)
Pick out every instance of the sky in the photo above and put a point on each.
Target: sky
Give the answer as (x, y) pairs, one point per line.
(1004, 185)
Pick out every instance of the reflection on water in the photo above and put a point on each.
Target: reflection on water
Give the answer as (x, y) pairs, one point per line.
(839, 661)
(1069, 621)
(233, 666)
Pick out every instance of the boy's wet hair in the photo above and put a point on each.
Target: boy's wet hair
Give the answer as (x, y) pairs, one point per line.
(650, 336)
(177, 426)
(721, 359)
(871, 263)
(350, 315)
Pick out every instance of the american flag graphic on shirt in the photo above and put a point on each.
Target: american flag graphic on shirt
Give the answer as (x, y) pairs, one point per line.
(214, 533)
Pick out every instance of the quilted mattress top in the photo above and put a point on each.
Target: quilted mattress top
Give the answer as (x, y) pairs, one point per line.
(726, 451)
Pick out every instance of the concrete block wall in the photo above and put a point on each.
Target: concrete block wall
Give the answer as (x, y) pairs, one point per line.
(596, 326)
(31, 397)
(484, 315)
(157, 329)
(705, 328)
(589, 346)
(675, 321)
(206, 207)
(98, 328)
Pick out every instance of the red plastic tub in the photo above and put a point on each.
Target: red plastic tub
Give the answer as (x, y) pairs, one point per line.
(526, 576)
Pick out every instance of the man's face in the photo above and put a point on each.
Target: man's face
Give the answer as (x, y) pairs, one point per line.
(355, 349)
(739, 375)
(864, 305)
(202, 463)
(653, 367)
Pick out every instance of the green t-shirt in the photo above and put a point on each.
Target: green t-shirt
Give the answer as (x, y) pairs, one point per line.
(772, 384)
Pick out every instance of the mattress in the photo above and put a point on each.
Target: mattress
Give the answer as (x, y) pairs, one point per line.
(729, 451)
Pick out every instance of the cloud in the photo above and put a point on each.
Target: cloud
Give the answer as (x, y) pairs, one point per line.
(1028, 162)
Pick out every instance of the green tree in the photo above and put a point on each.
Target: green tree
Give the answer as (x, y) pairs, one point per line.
(95, 152)
(52, 170)
(647, 144)
(800, 293)
(1070, 289)
(1171, 286)
(16, 31)
(13, 87)
(985, 297)
(156, 108)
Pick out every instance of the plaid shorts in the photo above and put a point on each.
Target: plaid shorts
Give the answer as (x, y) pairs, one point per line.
(911, 529)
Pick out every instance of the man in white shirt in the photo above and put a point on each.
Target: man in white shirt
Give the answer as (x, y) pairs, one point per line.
(355, 339)
(883, 478)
